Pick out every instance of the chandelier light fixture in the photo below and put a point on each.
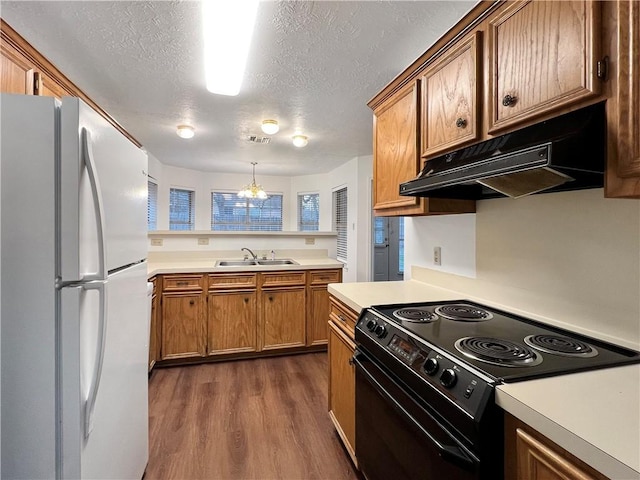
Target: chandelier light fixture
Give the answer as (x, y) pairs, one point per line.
(270, 127)
(253, 190)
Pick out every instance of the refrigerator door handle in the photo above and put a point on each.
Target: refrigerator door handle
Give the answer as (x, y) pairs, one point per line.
(96, 192)
(90, 403)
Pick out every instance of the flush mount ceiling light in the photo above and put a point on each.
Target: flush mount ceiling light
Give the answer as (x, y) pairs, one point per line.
(253, 190)
(300, 140)
(185, 131)
(228, 27)
(270, 127)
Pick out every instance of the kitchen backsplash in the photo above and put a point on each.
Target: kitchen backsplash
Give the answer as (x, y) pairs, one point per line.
(570, 258)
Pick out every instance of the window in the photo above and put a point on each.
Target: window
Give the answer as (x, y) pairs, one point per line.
(230, 212)
(181, 209)
(340, 221)
(308, 212)
(152, 205)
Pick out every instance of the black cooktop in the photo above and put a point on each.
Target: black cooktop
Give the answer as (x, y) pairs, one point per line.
(500, 344)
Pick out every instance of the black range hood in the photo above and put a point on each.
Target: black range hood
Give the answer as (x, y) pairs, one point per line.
(564, 153)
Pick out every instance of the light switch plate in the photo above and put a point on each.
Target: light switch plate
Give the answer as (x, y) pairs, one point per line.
(156, 242)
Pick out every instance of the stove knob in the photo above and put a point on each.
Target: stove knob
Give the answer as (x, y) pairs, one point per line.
(448, 378)
(431, 366)
(380, 331)
(371, 325)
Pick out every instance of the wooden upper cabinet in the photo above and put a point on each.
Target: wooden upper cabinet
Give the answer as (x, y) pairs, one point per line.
(622, 34)
(450, 100)
(395, 149)
(16, 73)
(48, 87)
(542, 57)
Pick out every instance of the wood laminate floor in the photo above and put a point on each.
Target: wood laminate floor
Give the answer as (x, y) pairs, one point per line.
(249, 419)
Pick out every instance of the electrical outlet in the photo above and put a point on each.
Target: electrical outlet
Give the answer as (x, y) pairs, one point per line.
(437, 256)
(156, 242)
(203, 241)
(309, 241)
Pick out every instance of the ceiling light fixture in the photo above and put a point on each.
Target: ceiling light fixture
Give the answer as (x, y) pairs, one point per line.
(253, 190)
(228, 27)
(300, 140)
(270, 127)
(185, 131)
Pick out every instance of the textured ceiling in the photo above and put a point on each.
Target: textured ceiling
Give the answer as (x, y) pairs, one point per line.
(313, 66)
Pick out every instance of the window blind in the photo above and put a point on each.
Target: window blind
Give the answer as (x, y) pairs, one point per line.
(401, 244)
(308, 212)
(152, 205)
(232, 213)
(340, 221)
(181, 209)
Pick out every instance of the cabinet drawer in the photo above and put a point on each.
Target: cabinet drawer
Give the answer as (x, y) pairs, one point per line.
(342, 316)
(219, 281)
(324, 276)
(181, 282)
(282, 279)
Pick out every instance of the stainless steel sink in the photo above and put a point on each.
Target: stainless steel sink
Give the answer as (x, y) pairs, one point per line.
(277, 262)
(236, 263)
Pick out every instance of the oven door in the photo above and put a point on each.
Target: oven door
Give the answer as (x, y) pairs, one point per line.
(398, 438)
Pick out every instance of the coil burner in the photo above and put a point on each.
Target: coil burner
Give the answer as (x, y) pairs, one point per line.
(415, 315)
(497, 351)
(559, 345)
(463, 312)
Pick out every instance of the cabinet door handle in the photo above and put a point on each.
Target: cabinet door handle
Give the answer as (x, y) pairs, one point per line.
(461, 123)
(509, 100)
(352, 360)
(246, 300)
(192, 302)
(270, 298)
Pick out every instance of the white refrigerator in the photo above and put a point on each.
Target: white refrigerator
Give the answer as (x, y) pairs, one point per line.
(73, 289)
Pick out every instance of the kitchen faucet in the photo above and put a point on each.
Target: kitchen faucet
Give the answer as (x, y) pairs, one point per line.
(252, 254)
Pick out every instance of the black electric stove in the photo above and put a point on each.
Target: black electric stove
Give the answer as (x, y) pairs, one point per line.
(503, 346)
(426, 374)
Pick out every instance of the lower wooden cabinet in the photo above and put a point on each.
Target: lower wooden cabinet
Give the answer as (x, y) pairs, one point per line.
(154, 330)
(283, 318)
(236, 314)
(342, 381)
(531, 456)
(232, 326)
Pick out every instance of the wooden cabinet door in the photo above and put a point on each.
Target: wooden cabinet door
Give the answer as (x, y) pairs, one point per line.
(153, 338)
(342, 387)
(16, 73)
(450, 100)
(232, 322)
(542, 57)
(318, 315)
(395, 150)
(283, 318)
(48, 87)
(183, 326)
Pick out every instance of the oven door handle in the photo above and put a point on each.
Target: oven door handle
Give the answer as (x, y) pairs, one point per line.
(451, 453)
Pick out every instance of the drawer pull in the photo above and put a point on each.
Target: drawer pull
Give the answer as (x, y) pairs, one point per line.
(509, 100)
(182, 284)
(461, 123)
(342, 318)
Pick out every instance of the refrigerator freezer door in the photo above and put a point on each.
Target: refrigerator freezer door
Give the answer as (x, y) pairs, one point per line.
(117, 442)
(120, 169)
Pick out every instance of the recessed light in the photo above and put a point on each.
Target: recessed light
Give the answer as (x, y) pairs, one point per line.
(270, 127)
(185, 131)
(300, 140)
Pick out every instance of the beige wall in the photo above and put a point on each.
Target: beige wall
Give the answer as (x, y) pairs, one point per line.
(570, 258)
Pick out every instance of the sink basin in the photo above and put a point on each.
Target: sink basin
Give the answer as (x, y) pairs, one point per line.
(277, 262)
(235, 263)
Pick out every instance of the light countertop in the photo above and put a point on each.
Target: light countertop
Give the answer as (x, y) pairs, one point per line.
(593, 415)
(207, 265)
